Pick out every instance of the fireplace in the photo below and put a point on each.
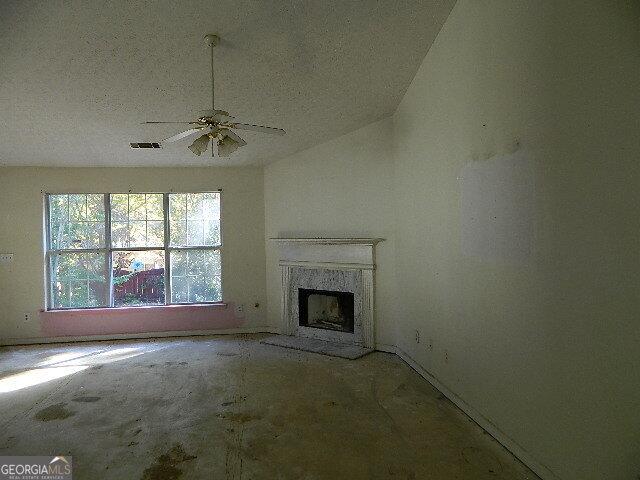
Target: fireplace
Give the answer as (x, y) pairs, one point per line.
(326, 309)
(339, 268)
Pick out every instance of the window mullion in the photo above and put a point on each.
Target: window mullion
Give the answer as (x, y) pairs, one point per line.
(196, 247)
(47, 256)
(107, 244)
(128, 220)
(167, 250)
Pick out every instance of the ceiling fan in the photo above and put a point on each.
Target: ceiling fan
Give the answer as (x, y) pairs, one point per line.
(214, 125)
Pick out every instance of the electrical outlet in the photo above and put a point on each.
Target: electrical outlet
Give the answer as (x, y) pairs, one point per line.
(430, 344)
(417, 336)
(27, 317)
(240, 309)
(446, 356)
(6, 257)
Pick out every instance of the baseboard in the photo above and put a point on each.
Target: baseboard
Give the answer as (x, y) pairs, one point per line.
(541, 470)
(383, 347)
(134, 336)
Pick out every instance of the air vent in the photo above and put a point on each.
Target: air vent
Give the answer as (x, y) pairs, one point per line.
(145, 145)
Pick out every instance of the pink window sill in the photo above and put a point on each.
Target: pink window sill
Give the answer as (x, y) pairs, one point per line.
(147, 319)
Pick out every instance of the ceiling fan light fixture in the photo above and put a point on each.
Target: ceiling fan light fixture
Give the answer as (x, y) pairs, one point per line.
(226, 146)
(199, 145)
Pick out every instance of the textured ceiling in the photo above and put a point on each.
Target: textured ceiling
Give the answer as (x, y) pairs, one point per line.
(77, 77)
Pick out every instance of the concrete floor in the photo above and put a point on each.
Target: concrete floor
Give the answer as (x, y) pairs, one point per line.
(229, 408)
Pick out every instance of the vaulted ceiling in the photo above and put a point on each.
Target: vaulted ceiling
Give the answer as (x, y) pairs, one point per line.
(78, 78)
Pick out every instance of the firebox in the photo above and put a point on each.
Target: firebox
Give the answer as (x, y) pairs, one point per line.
(326, 309)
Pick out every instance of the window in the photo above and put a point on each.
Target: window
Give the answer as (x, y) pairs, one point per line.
(128, 249)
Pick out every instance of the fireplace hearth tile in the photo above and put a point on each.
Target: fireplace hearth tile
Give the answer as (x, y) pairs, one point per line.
(314, 345)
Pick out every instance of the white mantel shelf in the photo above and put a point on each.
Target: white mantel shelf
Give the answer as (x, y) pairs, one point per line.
(331, 241)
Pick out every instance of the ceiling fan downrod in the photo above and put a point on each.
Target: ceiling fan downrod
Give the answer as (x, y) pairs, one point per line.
(212, 40)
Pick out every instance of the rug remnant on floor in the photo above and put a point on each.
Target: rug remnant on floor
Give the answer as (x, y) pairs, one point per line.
(322, 347)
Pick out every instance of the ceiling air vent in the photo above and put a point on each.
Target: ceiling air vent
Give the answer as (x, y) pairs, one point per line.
(145, 145)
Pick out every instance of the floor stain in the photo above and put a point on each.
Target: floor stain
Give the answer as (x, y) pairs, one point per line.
(239, 417)
(482, 460)
(401, 472)
(10, 441)
(85, 399)
(54, 412)
(237, 399)
(278, 421)
(166, 465)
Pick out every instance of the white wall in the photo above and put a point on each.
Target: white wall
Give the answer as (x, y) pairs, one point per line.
(513, 224)
(516, 153)
(342, 188)
(21, 226)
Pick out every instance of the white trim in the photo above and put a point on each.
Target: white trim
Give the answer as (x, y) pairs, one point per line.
(328, 265)
(288, 327)
(331, 241)
(386, 348)
(368, 308)
(502, 438)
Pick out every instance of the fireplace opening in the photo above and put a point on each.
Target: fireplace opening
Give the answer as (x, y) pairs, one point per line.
(326, 309)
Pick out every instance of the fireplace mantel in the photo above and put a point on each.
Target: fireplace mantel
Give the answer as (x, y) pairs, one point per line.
(339, 253)
(329, 264)
(330, 241)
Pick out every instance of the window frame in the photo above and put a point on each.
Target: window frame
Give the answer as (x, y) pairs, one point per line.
(108, 249)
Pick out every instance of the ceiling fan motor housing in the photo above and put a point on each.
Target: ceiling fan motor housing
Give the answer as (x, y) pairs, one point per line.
(211, 39)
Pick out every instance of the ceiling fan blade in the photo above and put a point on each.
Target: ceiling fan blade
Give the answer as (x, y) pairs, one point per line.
(222, 117)
(181, 123)
(236, 137)
(182, 135)
(258, 128)
(199, 145)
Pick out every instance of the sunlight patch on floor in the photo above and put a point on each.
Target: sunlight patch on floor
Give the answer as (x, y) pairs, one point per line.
(64, 364)
(36, 376)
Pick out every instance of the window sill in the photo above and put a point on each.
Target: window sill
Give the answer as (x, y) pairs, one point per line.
(173, 307)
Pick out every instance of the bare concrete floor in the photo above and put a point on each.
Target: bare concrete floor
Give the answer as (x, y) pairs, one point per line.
(231, 408)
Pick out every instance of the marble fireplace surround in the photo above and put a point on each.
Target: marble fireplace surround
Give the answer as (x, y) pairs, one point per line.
(336, 264)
